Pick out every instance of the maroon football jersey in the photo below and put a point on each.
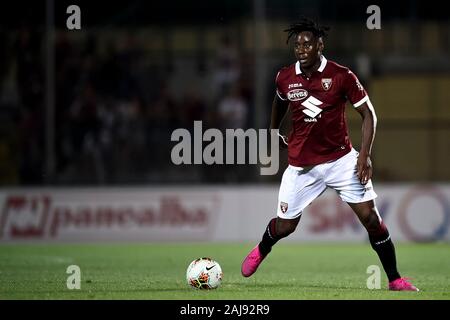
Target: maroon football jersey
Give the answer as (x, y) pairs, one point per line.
(319, 127)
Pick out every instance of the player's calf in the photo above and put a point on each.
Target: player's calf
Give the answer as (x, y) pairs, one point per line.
(276, 229)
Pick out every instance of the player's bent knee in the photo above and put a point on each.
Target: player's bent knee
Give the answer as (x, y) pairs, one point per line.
(371, 221)
(286, 226)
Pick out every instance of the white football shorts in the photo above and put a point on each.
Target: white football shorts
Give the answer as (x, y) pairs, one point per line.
(300, 186)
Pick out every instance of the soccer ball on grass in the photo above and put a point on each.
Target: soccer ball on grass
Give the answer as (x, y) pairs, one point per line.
(204, 273)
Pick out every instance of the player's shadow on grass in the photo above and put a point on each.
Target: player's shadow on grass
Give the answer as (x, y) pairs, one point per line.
(278, 285)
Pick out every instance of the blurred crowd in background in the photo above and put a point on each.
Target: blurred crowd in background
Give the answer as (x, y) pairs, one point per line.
(119, 93)
(114, 113)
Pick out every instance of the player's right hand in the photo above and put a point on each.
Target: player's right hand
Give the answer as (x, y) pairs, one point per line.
(283, 141)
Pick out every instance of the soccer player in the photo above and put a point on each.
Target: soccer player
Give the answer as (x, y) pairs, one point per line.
(320, 153)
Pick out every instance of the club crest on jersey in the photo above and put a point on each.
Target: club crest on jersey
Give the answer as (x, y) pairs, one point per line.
(283, 207)
(326, 83)
(297, 94)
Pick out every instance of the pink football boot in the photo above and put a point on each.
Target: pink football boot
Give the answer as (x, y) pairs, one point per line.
(401, 284)
(252, 262)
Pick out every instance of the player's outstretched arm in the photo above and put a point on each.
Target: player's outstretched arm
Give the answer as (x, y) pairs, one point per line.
(279, 109)
(369, 123)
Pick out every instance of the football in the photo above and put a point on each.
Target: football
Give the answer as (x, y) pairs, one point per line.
(204, 273)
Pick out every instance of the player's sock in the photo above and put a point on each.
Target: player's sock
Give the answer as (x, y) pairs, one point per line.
(269, 238)
(382, 244)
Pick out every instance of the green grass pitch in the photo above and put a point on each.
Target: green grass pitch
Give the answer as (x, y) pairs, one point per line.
(157, 271)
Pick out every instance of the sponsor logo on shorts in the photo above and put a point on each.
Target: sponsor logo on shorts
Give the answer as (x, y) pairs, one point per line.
(297, 94)
(283, 207)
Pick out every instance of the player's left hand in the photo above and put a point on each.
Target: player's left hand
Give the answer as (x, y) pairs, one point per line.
(364, 168)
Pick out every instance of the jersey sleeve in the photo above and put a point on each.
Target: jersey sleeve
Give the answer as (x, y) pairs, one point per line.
(279, 92)
(353, 89)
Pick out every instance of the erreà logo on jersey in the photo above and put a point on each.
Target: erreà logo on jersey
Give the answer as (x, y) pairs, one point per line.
(297, 94)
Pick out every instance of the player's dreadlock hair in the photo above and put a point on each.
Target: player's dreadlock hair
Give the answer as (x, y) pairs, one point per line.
(306, 24)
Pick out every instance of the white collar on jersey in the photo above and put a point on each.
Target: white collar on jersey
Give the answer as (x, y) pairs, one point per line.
(322, 66)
